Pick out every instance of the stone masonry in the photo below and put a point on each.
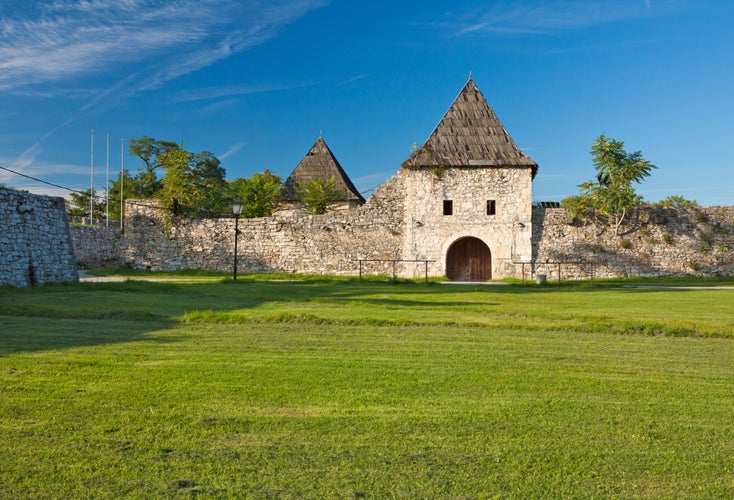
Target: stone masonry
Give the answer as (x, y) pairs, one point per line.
(309, 244)
(35, 247)
(95, 246)
(657, 241)
(430, 233)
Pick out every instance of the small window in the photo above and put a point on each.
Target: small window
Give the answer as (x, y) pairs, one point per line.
(491, 207)
(448, 207)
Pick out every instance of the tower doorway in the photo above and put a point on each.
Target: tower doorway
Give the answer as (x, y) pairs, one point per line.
(469, 259)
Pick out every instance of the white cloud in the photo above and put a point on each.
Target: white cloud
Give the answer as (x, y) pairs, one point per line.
(71, 39)
(230, 91)
(68, 46)
(523, 17)
(232, 150)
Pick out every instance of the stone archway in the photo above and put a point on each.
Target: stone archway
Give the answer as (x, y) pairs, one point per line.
(469, 259)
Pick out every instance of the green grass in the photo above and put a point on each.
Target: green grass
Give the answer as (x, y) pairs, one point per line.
(335, 388)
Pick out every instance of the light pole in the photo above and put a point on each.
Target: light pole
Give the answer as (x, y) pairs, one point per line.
(236, 210)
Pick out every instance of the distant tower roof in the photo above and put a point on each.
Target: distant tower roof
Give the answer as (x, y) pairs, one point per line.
(320, 163)
(470, 135)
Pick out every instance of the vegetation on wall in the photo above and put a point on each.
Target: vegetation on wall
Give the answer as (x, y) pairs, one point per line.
(318, 195)
(258, 194)
(677, 201)
(612, 194)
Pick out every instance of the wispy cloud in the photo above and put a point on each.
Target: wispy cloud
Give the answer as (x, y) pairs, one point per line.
(204, 94)
(351, 80)
(68, 40)
(69, 46)
(27, 157)
(29, 164)
(538, 16)
(232, 150)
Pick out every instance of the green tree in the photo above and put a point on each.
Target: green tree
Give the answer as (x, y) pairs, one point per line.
(175, 193)
(612, 193)
(206, 184)
(318, 195)
(185, 182)
(150, 151)
(258, 194)
(79, 204)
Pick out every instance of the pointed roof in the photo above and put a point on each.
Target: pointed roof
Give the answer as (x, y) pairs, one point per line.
(470, 135)
(320, 163)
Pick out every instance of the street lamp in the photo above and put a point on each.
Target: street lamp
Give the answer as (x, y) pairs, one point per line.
(236, 210)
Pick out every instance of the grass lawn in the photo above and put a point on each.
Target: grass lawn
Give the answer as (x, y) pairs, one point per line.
(335, 388)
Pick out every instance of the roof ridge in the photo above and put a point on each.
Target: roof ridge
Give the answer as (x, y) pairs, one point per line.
(470, 134)
(319, 162)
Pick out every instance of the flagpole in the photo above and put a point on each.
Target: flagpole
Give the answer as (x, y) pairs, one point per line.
(91, 184)
(107, 182)
(122, 181)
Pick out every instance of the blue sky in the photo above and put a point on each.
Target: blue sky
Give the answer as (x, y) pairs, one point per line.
(256, 82)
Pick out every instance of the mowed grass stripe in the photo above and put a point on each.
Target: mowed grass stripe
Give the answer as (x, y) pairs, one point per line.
(140, 408)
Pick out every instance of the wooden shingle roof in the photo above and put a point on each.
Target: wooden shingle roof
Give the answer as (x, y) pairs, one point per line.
(470, 135)
(320, 163)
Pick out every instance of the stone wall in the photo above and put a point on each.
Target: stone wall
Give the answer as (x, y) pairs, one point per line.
(35, 247)
(657, 242)
(95, 246)
(404, 220)
(308, 244)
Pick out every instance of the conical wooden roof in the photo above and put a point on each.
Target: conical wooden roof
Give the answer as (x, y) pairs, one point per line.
(470, 135)
(320, 163)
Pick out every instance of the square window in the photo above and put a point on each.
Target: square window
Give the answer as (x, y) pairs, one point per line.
(448, 207)
(491, 207)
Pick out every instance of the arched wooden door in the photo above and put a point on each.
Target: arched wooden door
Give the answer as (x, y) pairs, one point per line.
(469, 259)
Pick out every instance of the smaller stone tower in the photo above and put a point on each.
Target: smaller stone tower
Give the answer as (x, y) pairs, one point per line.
(319, 163)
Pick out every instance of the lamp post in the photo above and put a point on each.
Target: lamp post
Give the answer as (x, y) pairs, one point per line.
(236, 210)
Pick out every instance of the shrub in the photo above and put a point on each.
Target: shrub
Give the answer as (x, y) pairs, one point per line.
(625, 243)
(677, 201)
(667, 238)
(706, 237)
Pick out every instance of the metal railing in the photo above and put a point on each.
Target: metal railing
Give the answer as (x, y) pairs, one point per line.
(393, 262)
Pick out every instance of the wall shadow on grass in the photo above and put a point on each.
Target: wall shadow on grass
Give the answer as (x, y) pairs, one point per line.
(30, 334)
(88, 314)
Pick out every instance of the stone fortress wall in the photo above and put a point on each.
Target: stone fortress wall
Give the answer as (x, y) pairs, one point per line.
(95, 246)
(309, 244)
(658, 242)
(35, 247)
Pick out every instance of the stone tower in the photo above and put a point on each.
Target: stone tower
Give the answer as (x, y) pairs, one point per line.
(319, 163)
(468, 195)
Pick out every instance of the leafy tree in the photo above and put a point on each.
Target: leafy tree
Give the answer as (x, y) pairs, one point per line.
(318, 195)
(207, 186)
(174, 193)
(677, 201)
(182, 180)
(150, 151)
(79, 204)
(612, 194)
(259, 193)
(128, 188)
